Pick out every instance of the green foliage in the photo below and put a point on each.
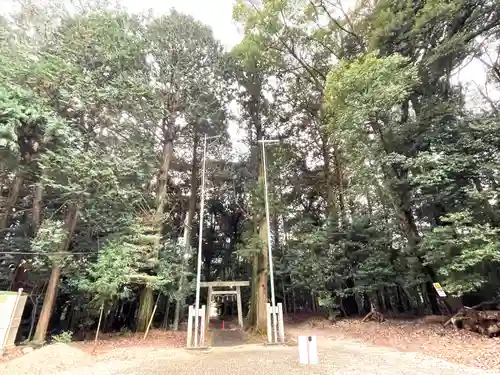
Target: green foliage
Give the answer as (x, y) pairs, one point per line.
(108, 279)
(65, 337)
(368, 88)
(466, 254)
(49, 238)
(387, 179)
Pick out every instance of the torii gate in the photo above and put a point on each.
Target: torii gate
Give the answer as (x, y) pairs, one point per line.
(224, 284)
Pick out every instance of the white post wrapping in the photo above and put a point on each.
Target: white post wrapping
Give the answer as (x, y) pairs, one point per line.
(281, 325)
(200, 319)
(269, 329)
(273, 336)
(190, 327)
(239, 306)
(202, 325)
(200, 242)
(270, 253)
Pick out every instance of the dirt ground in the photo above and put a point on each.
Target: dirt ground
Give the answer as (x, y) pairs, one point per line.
(108, 342)
(341, 357)
(155, 339)
(405, 336)
(418, 335)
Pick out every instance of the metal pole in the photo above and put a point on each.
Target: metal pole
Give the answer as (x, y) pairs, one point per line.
(200, 244)
(271, 272)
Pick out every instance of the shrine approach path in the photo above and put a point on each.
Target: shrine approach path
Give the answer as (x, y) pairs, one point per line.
(336, 358)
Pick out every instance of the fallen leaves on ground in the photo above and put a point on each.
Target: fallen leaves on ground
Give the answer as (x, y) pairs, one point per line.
(11, 353)
(432, 339)
(155, 339)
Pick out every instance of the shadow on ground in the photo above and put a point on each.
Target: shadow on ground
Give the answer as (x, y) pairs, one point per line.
(231, 335)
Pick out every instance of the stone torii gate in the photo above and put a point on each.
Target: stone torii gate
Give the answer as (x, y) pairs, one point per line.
(227, 285)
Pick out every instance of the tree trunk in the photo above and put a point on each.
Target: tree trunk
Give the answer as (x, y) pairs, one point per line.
(37, 208)
(33, 316)
(146, 299)
(48, 305)
(167, 155)
(11, 199)
(145, 308)
(402, 193)
(262, 275)
(166, 316)
(285, 308)
(339, 176)
(51, 292)
(330, 193)
(188, 222)
(252, 311)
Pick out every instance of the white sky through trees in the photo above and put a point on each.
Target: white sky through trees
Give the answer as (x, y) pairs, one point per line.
(218, 15)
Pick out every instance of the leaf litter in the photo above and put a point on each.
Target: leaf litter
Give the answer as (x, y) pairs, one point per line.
(417, 335)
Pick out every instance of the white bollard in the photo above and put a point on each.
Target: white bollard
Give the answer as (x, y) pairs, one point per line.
(201, 327)
(278, 320)
(308, 350)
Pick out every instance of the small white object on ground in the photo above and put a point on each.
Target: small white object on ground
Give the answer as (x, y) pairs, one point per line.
(308, 350)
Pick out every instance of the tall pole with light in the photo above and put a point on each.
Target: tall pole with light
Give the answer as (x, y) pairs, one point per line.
(274, 322)
(200, 240)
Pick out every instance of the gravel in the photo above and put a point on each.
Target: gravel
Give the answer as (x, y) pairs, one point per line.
(48, 360)
(336, 357)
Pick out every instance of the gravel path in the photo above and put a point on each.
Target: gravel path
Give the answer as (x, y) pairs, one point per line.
(48, 360)
(230, 336)
(336, 357)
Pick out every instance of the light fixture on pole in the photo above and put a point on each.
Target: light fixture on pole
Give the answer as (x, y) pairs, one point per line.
(274, 322)
(200, 240)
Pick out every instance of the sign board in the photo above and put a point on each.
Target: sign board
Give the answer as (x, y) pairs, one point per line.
(439, 290)
(11, 311)
(308, 350)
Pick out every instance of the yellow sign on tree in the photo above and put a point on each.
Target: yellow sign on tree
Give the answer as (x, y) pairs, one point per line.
(439, 290)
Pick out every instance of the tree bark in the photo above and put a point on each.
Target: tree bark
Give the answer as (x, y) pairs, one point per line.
(11, 199)
(405, 216)
(167, 311)
(339, 176)
(330, 193)
(37, 208)
(188, 229)
(145, 308)
(51, 292)
(146, 299)
(262, 275)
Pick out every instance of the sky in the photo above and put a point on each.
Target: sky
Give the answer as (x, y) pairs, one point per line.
(214, 13)
(218, 15)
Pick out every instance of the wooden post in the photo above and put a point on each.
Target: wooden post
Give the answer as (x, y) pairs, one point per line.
(285, 310)
(190, 327)
(98, 327)
(152, 316)
(240, 309)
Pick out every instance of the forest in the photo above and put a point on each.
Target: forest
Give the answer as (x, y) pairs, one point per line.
(385, 178)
